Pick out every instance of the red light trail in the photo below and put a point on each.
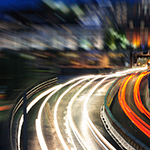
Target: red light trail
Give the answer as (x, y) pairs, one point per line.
(143, 126)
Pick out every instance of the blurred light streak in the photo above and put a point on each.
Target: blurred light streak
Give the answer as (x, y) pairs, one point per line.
(69, 133)
(29, 107)
(57, 104)
(2, 108)
(102, 90)
(143, 126)
(95, 131)
(59, 17)
(60, 98)
(27, 56)
(89, 122)
(38, 120)
(67, 29)
(75, 131)
(57, 5)
(58, 101)
(77, 10)
(50, 3)
(100, 138)
(137, 98)
(60, 5)
(131, 70)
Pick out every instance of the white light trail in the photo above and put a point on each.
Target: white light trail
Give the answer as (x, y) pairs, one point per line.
(102, 140)
(33, 103)
(40, 135)
(131, 70)
(104, 87)
(100, 137)
(75, 131)
(29, 107)
(38, 121)
(57, 104)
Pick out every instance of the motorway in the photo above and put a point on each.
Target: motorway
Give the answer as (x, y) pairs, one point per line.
(81, 132)
(132, 119)
(68, 116)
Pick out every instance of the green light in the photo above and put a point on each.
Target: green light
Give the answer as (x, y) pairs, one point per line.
(50, 3)
(123, 45)
(77, 10)
(27, 56)
(62, 7)
(112, 46)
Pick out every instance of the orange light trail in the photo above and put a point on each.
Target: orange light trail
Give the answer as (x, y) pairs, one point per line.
(137, 98)
(143, 126)
(2, 108)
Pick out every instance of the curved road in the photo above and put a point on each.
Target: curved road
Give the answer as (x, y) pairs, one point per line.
(120, 115)
(70, 118)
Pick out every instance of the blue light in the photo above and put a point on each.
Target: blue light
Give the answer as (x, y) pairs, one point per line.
(143, 46)
(15, 5)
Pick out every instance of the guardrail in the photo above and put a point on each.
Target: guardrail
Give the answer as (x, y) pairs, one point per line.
(124, 139)
(109, 126)
(14, 119)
